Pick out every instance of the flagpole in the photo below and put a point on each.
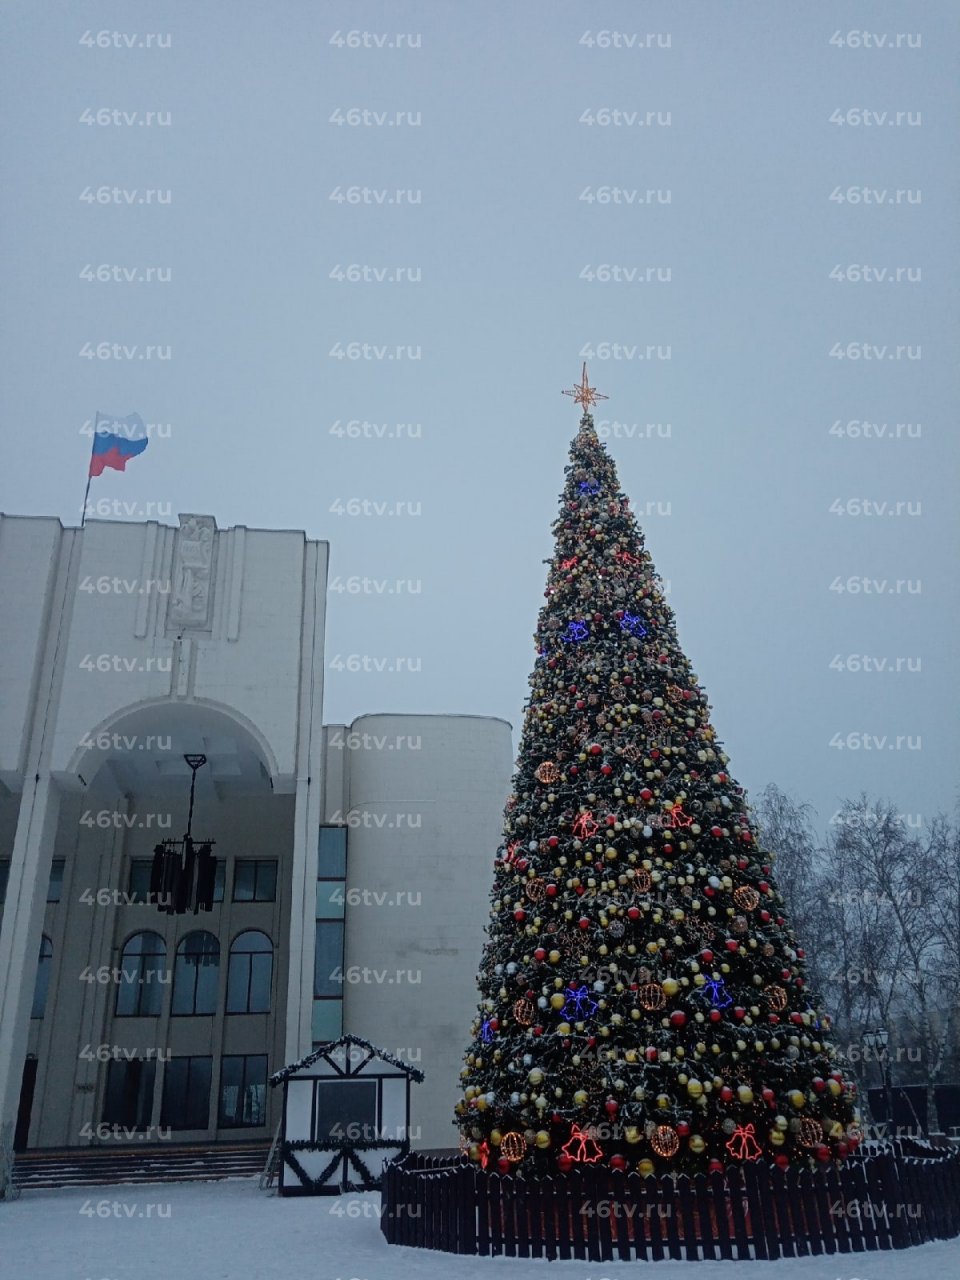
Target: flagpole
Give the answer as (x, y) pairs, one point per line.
(93, 441)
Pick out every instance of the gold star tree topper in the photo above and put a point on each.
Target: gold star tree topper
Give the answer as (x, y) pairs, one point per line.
(584, 394)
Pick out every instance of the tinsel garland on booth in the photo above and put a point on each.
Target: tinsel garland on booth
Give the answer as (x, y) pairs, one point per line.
(643, 998)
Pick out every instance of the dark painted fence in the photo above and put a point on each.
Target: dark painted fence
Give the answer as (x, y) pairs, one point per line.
(883, 1200)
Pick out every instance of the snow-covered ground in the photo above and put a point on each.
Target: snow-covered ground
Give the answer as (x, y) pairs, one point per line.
(214, 1230)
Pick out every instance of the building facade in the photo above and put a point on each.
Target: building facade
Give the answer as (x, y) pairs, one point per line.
(353, 860)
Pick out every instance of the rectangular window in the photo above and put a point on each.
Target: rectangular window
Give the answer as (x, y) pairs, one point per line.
(55, 887)
(332, 853)
(128, 1101)
(328, 960)
(255, 880)
(186, 1093)
(138, 885)
(243, 1091)
(4, 875)
(345, 1109)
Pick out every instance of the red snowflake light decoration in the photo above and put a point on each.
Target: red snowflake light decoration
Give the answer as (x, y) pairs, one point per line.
(742, 1145)
(581, 1147)
(568, 564)
(484, 1150)
(584, 826)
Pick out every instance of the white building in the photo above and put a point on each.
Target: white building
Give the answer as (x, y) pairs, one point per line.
(353, 860)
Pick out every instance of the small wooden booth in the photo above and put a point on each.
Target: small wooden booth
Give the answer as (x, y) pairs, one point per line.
(346, 1112)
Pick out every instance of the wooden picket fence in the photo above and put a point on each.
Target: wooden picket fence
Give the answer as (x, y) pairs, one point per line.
(882, 1200)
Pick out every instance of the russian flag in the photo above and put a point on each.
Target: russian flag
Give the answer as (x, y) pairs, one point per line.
(116, 448)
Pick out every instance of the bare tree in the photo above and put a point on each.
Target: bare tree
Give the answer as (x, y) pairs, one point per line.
(895, 879)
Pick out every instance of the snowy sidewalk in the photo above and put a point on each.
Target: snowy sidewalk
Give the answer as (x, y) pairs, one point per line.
(233, 1231)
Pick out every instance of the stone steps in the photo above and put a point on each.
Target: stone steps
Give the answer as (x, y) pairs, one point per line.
(159, 1162)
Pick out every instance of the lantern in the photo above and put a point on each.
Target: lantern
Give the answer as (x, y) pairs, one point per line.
(523, 1011)
(513, 1146)
(664, 1141)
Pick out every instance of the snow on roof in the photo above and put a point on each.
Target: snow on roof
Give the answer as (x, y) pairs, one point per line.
(326, 1049)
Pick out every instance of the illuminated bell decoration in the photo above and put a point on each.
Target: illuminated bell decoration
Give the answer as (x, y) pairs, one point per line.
(651, 996)
(742, 1144)
(513, 1146)
(811, 1132)
(776, 997)
(581, 1147)
(664, 1141)
(547, 772)
(746, 897)
(524, 1012)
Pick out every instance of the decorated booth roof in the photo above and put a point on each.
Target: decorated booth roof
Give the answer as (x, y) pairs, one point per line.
(326, 1051)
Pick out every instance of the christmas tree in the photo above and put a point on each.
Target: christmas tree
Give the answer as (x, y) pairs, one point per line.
(643, 1000)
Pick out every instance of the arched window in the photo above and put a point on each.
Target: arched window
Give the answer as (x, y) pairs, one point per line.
(42, 983)
(143, 974)
(250, 973)
(196, 974)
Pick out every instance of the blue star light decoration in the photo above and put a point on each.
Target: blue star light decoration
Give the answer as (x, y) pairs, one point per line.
(575, 632)
(589, 486)
(714, 990)
(579, 1003)
(632, 623)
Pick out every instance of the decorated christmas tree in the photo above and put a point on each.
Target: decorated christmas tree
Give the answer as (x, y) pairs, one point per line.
(643, 1000)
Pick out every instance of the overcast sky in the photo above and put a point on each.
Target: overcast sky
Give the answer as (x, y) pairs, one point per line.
(473, 195)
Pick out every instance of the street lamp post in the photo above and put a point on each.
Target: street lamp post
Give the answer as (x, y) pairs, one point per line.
(878, 1041)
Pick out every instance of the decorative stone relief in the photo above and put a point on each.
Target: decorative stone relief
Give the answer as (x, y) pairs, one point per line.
(191, 597)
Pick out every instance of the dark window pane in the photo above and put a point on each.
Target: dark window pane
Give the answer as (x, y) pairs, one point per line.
(143, 975)
(186, 1093)
(244, 876)
(332, 853)
(196, 974)
(261, 975)
(42, 984)
(4, 874)
(55, 887)
(250, 973)
(243, 1090)
(219, 880)
(255, 880)
(328, 959)
(267, 881)
(128, 1100)
(238, 982)
(346, 1109)
(139, 883)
